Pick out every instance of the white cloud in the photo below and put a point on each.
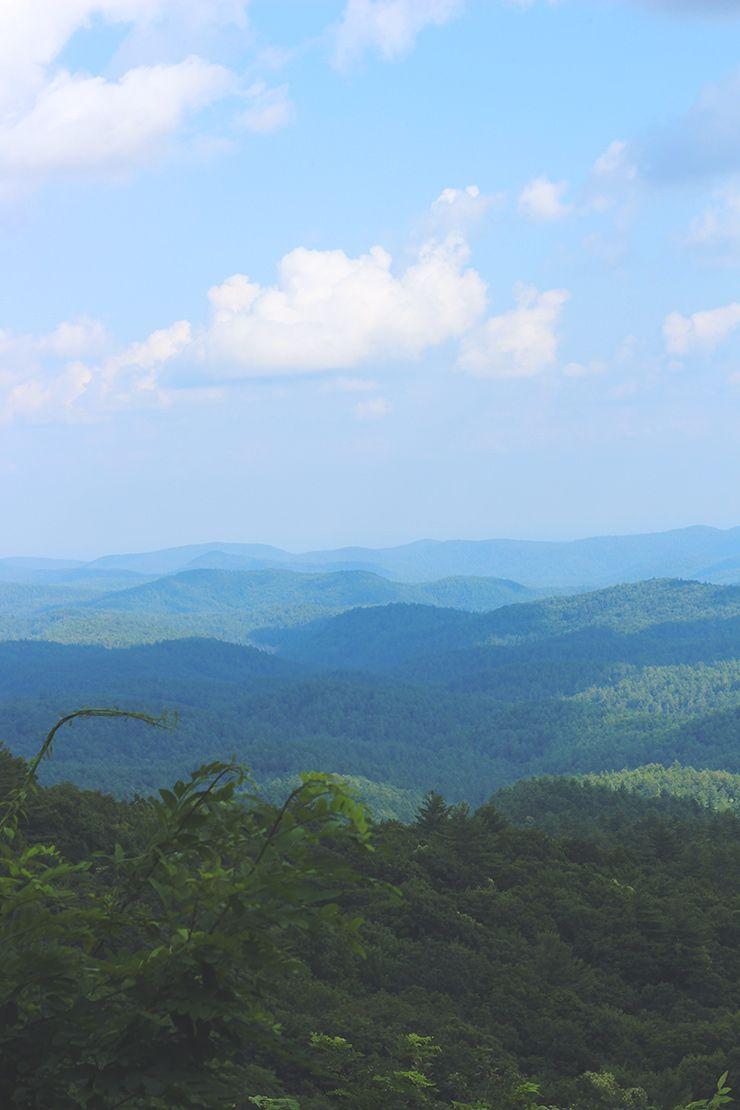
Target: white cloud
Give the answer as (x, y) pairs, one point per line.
(53, 120)
(541, 200)
(374, 409)
(87, 123)
(269, 108)
(702, 331)
(388, 26)
(332, 312)
(520, 343)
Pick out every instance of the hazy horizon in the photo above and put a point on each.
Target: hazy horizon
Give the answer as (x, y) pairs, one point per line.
(305, 548)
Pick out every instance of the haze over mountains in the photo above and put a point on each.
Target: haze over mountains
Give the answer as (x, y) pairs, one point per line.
(708, 554)
(426, 671)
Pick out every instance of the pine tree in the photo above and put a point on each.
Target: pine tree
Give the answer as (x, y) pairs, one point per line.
(433, 813)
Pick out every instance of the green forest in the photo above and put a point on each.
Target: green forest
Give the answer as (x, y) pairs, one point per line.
(213, 948)
(406, 698)
(469, 858)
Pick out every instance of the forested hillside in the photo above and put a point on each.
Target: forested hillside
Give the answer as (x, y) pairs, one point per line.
(461, 702)
(98, 607)
(465, 962)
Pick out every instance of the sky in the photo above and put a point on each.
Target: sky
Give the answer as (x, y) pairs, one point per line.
(327, 272)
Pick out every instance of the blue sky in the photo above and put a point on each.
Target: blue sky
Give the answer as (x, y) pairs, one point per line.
(315, 273)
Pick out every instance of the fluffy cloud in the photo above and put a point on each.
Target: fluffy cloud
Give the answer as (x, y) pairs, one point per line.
(55, 120)
(332, 312)
(387, 26)
(87, 123)
(541, 200)
(520, 343)
(703, 331)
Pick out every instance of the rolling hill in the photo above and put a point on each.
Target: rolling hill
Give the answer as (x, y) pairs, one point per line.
(224, 604)
(410, 696)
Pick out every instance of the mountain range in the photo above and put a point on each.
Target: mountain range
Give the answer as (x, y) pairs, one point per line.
(707, 554)
(227, 605)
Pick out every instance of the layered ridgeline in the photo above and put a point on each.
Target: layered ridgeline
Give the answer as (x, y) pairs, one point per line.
(230, 605)
(410, 697)
(708, 554)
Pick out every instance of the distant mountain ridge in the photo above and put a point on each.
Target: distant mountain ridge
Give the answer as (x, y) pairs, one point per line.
(225, 604)
(704, 553)
(445, 643)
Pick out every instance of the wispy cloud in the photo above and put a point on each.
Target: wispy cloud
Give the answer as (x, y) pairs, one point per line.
(387, 27)
(268, 109)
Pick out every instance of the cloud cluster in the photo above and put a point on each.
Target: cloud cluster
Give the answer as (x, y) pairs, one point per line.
(389, 27)
(327, 312)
